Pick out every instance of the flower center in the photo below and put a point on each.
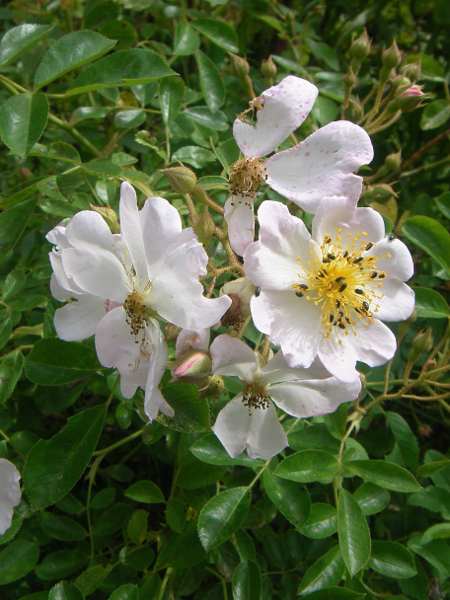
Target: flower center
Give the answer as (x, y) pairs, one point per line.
(137, 312)
(255, 396)
(344, 282)
(246, 176)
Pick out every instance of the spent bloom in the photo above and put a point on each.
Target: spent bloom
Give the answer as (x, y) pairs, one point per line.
(326, 295)
(121, 287)
(249, 421)
(10, 494)
(318, 170)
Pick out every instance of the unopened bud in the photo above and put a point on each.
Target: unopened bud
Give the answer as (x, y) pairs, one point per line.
(392, 56)
(400, 83)
(192, 365)
(412, 71)
(349, 78)
(360, 47)
(393, 161)
(204, 225)
(109, 215)
(269, 68)
(380, 193)
(240, 65)
(171, 332)
(423, 342)
(216, 385)
(414, 91)
(182, 179)
(408, 100)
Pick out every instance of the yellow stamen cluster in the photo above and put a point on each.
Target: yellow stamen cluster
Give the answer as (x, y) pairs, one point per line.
(344, 282)
(246, 176)
(137, 313)
(255, 396)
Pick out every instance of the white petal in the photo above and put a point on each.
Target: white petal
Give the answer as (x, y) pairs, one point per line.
(161, 224)
(10, 494)
(88, 228)
(177, 295)
(196, 340)
(232, 426)
(320, 169)
(115, 345)
(64, 285)
(272, 262)
(57, 291)
(285, 107)
(97, 272)
(397, 303)
(128, 386)
(57, 236)
(339, 356)
(394, 258)
(349, 223)
(266, 436)
(241, 222)
(233, 357)
(313, 397)
(292, 323)
(78, 320)
(131, 230)
(375, 344)
(154, 400)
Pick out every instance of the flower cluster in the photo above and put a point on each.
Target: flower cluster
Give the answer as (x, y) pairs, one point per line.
(320, 297)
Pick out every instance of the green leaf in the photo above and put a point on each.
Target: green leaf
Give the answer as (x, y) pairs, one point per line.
(443, 203)
(308, 466)
(325, 110)
(432, 237)
(54, 466)
(336, 593)
(321, 522)
(146, 492)
(85, 113)
(191, 411)
(246, 582)
(384, 474)
(186, 40)
(432, 467)
(391, 559)
(62, 563)
(23, 119)
(209, 450)
(173, 551)
(222, 515)
(291, 500)
(54, 362)
(219, 32)
(19, 39)
(437, 553)
(13, 223)
(323, 52)
(64, 591)
(353, 533)
(62, 528)
(70, 52)
(171, 94)
(371, 498)
(328, 570)
(216, 121)
(128, 591)
(11, 367)
(406, 440)
(211, 84)
(194, 155)
(435, 114)
(430, 304)
(440, 531)
(17, 560)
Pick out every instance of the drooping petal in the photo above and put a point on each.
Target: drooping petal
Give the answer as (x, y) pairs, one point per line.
(177, 295)
(232, 357)
(78, 320)
(321, 168)
(114, 343)
(313, 397)
(284, 108)
(192, 340)
(394, 258)
(88, 228)
(154, 401)
(98, 272)
(353, 226)
(292, 323)
(266, 436)
(232, 426)
(241, 222)
(10, 494)
(131, 230)
(397, 301)
(273, 262)
(161, 224)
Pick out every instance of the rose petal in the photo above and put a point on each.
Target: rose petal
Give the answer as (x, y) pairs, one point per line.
(241, 222)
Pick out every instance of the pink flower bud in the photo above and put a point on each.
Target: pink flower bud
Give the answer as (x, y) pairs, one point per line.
(413, 90)
(192, 365)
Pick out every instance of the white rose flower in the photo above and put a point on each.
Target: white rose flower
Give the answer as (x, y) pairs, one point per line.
(10, 494)
(249, 421)
(318, 170)
(326, 295)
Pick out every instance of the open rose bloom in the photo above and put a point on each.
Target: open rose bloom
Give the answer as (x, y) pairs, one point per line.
(326, 295)
(317, 171)
(10, 494)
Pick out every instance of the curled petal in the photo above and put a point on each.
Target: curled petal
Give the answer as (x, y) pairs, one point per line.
(232, 356)
(241, 222)
(88, 228)
(131, 230)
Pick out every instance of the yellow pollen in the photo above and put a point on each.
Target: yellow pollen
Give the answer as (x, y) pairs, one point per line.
(246, 176)
(344, 282)
(137, 312)
(255, 396)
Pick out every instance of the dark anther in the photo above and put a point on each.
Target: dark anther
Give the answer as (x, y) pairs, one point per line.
(358, 260)
(359, 291)
(373, 275)
(343, 286)
(369, 246)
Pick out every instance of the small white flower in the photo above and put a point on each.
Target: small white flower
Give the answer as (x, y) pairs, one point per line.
(123, 285)
(249, 421)
(319, 170)
(10, 494)
(326, 295)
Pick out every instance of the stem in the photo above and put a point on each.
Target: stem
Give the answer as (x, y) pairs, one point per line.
(120, 443)
(76, 134)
